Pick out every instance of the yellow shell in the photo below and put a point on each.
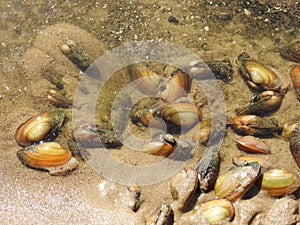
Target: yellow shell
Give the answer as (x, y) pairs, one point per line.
(235, 182)
(39, 127)
(217, 210)
(280, 182)
(45, 155)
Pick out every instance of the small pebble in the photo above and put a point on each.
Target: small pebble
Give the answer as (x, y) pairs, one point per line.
(173, 19)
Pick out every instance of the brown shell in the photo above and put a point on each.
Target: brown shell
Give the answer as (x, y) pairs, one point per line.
(252, 144)
(39, 127)
(241, 160)
(145, 79)
(184, 114)
(161, 147)
(295, 76)
(178, 86)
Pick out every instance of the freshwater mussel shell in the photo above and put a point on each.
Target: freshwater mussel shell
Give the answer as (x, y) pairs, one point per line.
(242, 160)
(280, 182)
(263, 102)
(294, 71)
(183, 114)
(58, 99)
(254, 125)
(146, 81)
(252, 144)
(258, 75)
(42, 126)
(287, 129)
(215, 211)
(44, 155)
(177, 86)
(162, 146)
(200, 132)
(236, 182)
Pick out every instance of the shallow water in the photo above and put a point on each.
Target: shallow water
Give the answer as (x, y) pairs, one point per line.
(31, 33)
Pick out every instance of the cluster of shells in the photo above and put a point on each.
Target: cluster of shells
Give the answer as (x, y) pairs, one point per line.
(37, 134)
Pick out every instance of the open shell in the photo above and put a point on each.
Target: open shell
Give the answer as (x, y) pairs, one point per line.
(258, 75)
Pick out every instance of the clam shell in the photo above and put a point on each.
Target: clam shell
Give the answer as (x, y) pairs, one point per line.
(58, 99)
(200, 132)
(242, 160)
(287, 129)
(236, 182)
(45, 155)
(145, 79)
(294, 71)
(178, 86)
(217, 210)
(259, 76)
(252, 144)
(39, 127)
(161, 147)
(184, 114)
(280, 182)
(254, 125)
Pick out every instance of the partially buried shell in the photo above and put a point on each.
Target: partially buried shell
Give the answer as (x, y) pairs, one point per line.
(215, 211)
(280, 182)
(258, 75)
(252, 144)
(294, 71)
(264, 102)
(184, 114)
(254, 125)
(242, 160)
(58, 99)
(295, 144)
(236, 182)
(162, 146)
(49, 156)
(43, 126)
